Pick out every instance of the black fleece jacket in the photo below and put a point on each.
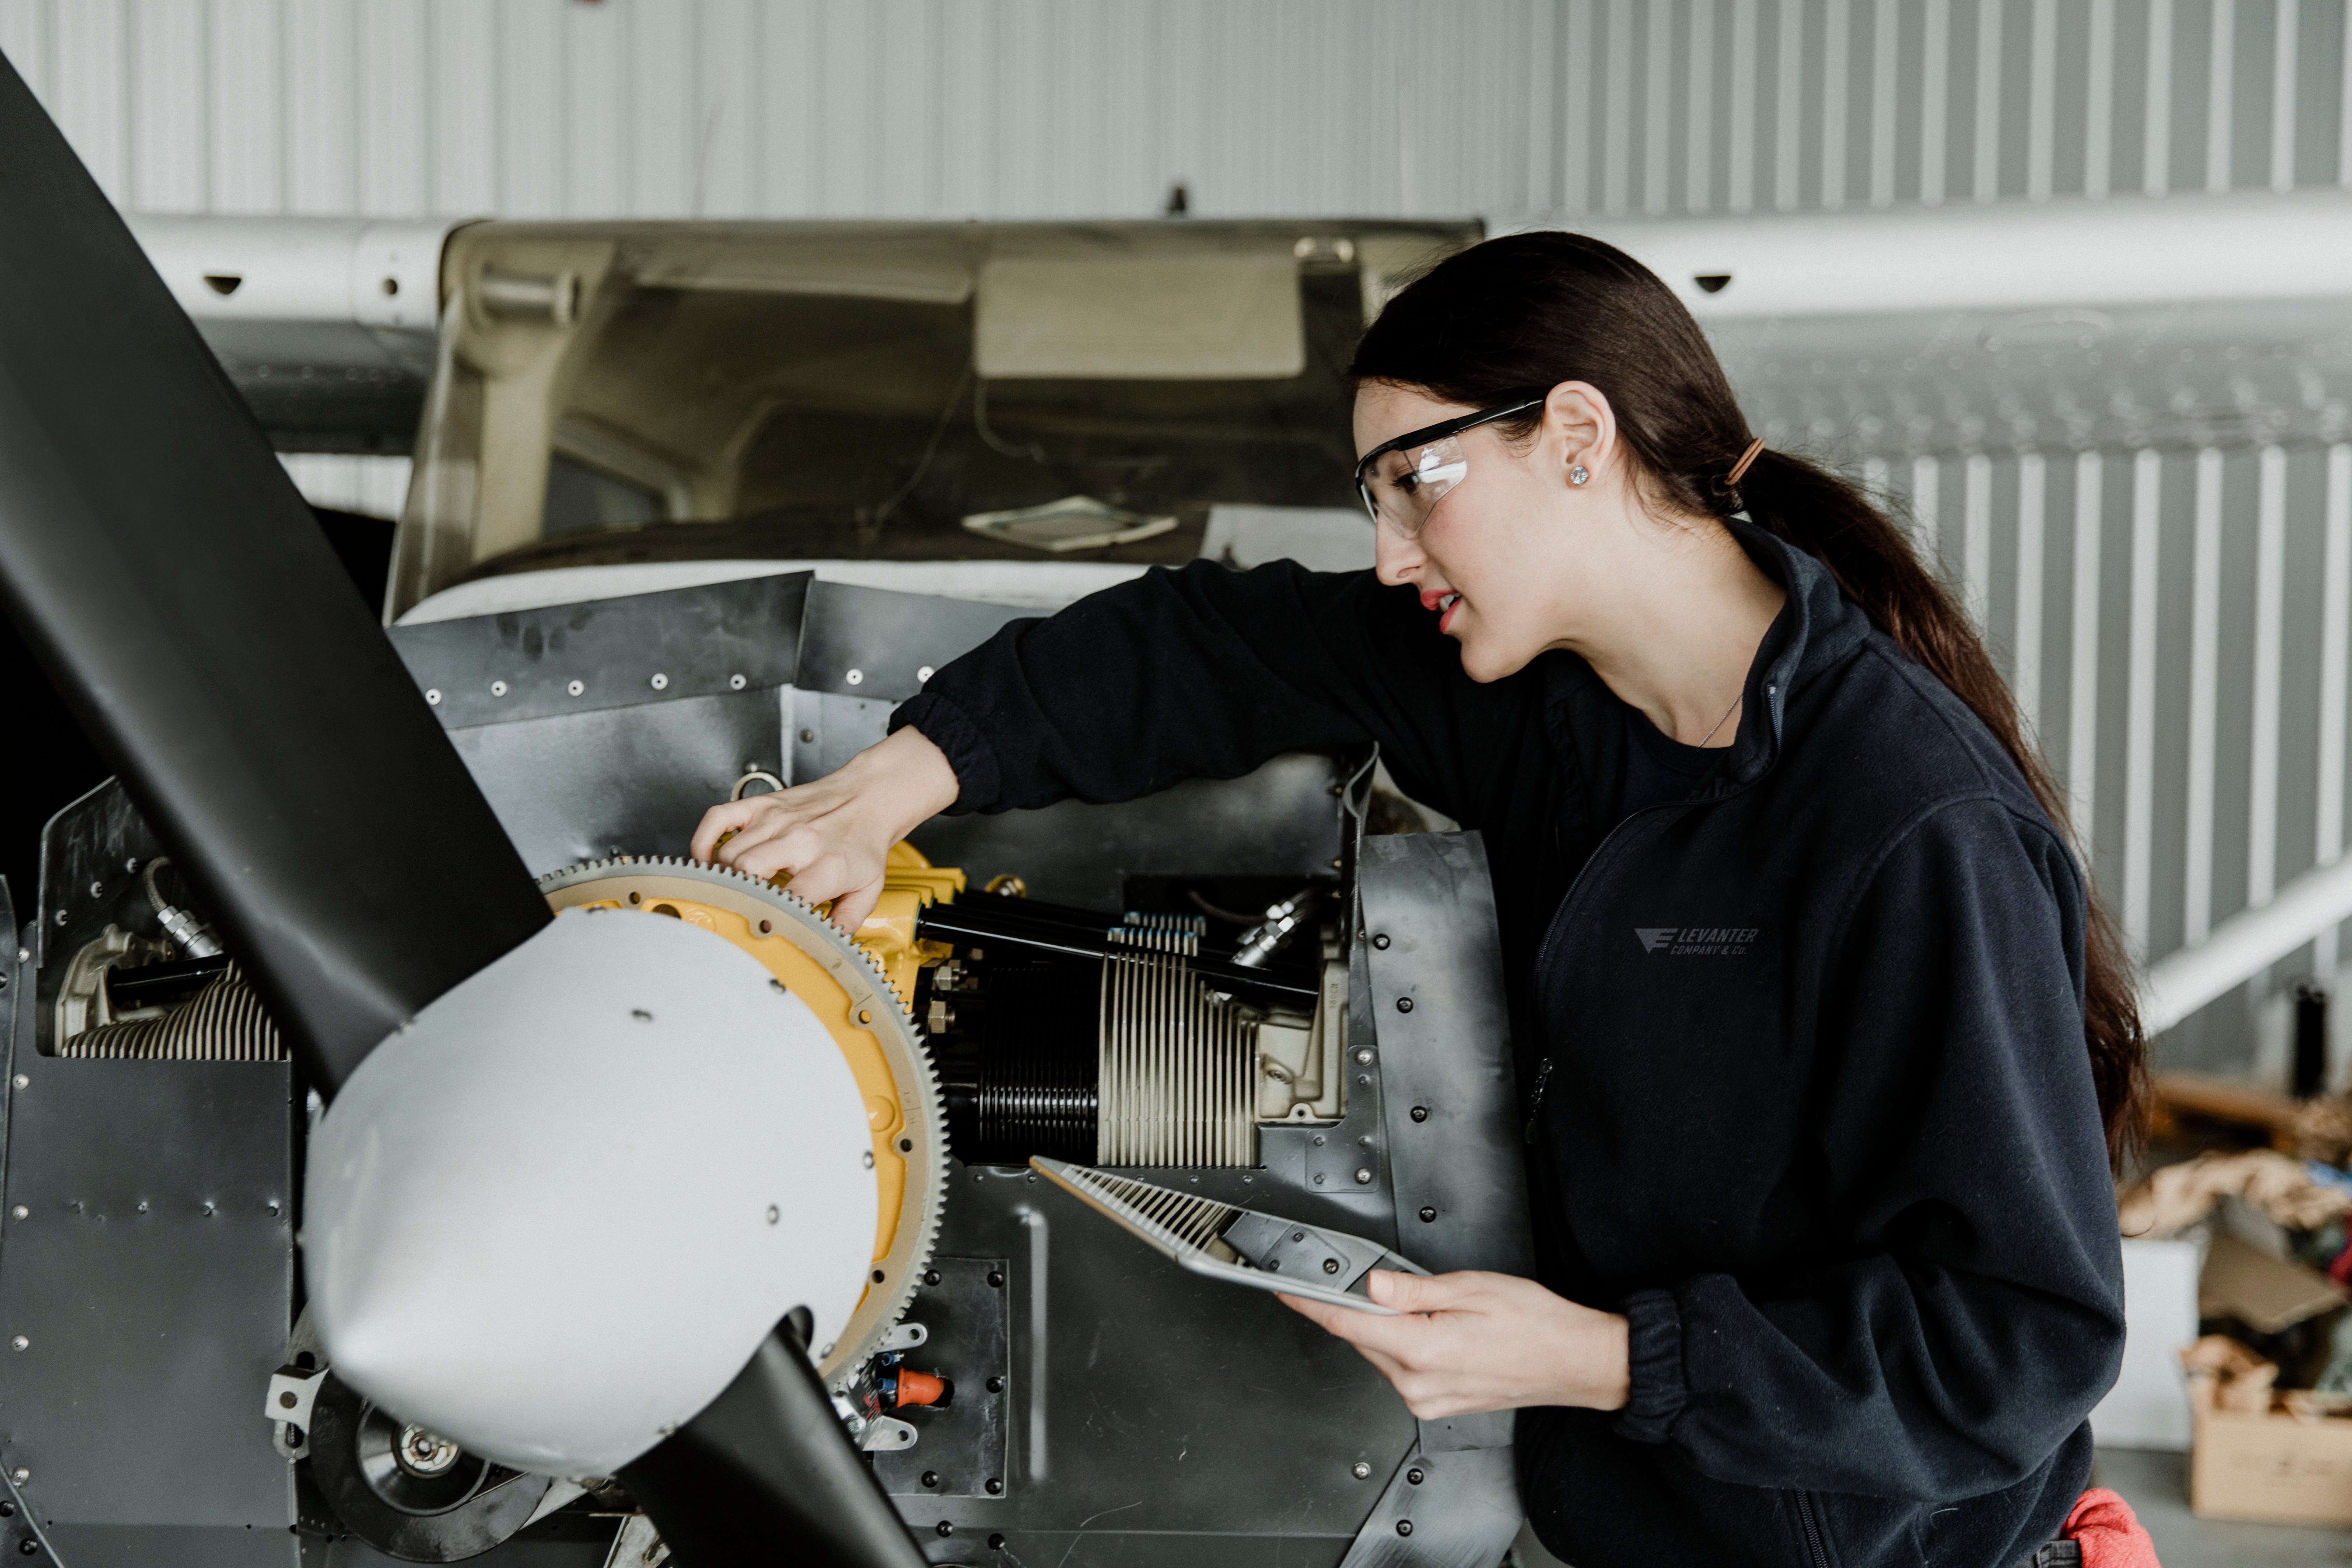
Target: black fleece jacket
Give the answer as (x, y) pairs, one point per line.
(1804, 1054)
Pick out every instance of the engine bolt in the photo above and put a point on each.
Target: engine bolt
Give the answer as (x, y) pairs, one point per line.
(576, 687)
(1364, 1057)
(1414, 1474)
(945, 1527)
(857, 678)
(931, 1478)
(1404, 1004)
(1330, 1266)
(1381, 941)
(995, 1385)
(660, 681)
(1404, 1527)
(20, 1212)
(498, 689)
(1363, 1176)
(1360, 1469)
(1429, 1217)
(21, 1342)
(1421, 1113)
(995, 1486)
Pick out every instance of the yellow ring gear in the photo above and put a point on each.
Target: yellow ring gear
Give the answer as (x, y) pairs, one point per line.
(861, 992)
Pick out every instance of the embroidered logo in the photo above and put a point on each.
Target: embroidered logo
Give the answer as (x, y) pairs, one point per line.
(1696, 941)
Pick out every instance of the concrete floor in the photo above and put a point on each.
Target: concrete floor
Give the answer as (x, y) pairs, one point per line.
(2156, 1486)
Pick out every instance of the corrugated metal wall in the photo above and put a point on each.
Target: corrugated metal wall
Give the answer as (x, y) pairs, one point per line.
(2176, 620)
(1087, 107)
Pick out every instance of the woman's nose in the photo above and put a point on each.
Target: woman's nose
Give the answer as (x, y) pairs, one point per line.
(1393, 555)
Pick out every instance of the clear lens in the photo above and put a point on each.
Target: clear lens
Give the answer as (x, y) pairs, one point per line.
(1401, 488)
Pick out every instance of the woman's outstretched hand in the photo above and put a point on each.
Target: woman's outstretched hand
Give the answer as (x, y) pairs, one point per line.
(833, 837)
(1472, 1342)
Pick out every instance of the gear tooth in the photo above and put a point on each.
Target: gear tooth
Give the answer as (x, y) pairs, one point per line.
(924, 1203)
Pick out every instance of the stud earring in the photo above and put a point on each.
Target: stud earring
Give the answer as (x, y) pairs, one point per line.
(1576, 474)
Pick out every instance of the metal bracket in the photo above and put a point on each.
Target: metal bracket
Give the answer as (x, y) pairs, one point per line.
(292, 1390)
(885, 1434)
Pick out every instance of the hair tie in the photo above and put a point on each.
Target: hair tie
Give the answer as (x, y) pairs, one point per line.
(1746, 458)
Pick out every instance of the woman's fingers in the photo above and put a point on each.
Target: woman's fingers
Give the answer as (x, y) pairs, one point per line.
(1422, 1292)
(850, 909)
(727, 816)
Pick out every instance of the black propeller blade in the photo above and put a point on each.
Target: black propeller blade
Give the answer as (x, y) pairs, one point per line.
(164, 570)
(753, 1479)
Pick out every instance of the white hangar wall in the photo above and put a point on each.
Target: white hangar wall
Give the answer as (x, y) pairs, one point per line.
(1093, 108)
(2177, 613)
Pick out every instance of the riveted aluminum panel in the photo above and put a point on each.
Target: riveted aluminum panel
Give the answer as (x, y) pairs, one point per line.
(705, 641)
(150, 1284)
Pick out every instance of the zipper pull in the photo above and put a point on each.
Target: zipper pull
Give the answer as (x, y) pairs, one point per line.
(1534, 1099)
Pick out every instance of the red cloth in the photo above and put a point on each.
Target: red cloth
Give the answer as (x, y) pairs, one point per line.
(2109, 1533)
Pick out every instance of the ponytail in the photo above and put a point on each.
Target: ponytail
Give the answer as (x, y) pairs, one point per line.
(1874, 565)
(1536, 310)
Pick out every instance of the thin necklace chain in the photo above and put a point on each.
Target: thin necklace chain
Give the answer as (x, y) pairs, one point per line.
(1719, 723)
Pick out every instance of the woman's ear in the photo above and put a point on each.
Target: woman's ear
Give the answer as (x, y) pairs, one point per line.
(1580, 431)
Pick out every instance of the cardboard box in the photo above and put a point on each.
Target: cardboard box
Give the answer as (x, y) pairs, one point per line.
(2270, 1468)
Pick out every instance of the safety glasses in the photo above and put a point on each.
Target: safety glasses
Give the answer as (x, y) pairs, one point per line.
(1402, 480)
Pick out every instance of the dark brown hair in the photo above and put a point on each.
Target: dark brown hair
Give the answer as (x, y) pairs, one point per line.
(1532, 311)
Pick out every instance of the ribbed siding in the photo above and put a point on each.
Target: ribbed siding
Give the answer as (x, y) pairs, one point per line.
(1093, 108)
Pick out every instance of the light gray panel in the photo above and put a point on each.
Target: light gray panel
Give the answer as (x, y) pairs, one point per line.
(1443, 1510)
(1432, 941)
(626, 781)
(150, 1283)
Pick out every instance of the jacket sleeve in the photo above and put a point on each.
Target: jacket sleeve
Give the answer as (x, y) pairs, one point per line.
(1978, 1313)
(1201, 672)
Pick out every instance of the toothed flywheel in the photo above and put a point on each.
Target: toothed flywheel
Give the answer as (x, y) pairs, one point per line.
(850, 993)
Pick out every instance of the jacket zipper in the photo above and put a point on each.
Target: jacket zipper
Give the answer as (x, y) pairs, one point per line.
(1576, 883)
(1816, 1547)
(1552, 937)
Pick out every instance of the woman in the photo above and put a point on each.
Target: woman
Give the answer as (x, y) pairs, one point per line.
(1825, 1049)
